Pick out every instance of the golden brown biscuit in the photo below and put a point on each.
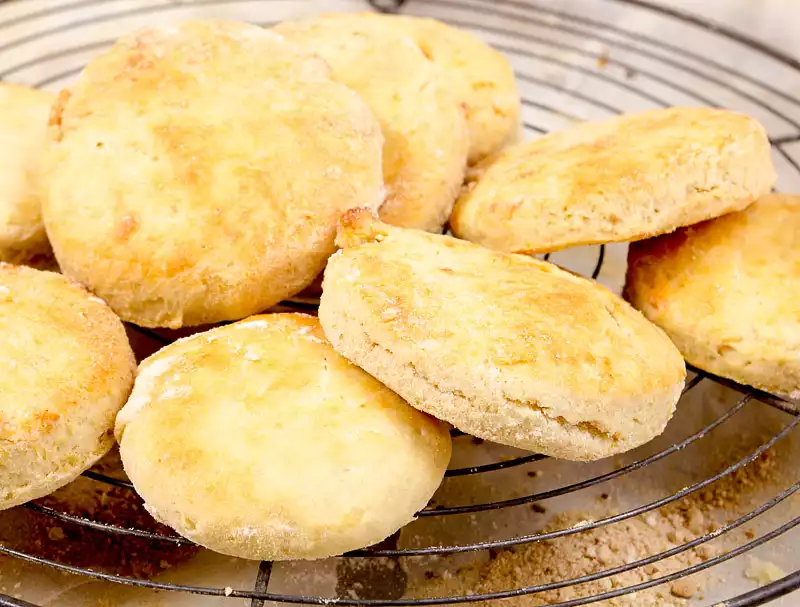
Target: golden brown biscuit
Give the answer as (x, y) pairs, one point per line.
(727, 292)
(426, 132)
(23, 122)
(482, 77)
(275, 446)
(627, 178)
(505, 347)
(197, 172)
(66, 368)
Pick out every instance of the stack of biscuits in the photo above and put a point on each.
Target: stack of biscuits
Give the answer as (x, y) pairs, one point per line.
(200, 174)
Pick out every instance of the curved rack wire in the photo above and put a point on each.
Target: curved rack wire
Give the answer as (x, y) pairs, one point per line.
(648, 80)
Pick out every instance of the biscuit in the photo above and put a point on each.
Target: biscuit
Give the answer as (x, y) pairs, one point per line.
(482, 78)
(504, 347)
(66, 368)
(727, 292)
(23, 123)
(33, 532)
(197, 172)
(275, 446)
(427, 138)
(628, 178)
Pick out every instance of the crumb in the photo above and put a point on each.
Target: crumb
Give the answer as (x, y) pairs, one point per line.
(707, 551)
(79, 546)
(228, 591)
(538, 508)
(610, 546)
(683, 589)
(580, 554)
(762, 572)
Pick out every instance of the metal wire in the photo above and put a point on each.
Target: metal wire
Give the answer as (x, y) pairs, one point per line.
(533, 49)
(265, 568)
(611, 61)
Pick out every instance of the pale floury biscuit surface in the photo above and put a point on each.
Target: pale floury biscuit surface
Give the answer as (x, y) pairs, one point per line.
(275, 446)
(422, 118)
(196, 172)
(727, 292)
(504, 347)
(66, 368)
(481, 76)
(628, 178)
(23, 122)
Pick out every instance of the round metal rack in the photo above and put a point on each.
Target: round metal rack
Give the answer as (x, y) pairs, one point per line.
(563, 80)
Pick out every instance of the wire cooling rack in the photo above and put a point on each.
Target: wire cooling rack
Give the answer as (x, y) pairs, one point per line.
(570, 67)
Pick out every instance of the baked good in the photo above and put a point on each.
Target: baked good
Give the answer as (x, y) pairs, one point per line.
(481, 76)
(66, 368)
(42, 535)
(23, 122)
(275, 446)
(504, 347)
(727, 292)
(627, 178)
(197, 172)
(424, 125)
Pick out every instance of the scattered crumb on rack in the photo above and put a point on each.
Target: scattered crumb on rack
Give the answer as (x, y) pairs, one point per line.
(616, 545)
(44, 536)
